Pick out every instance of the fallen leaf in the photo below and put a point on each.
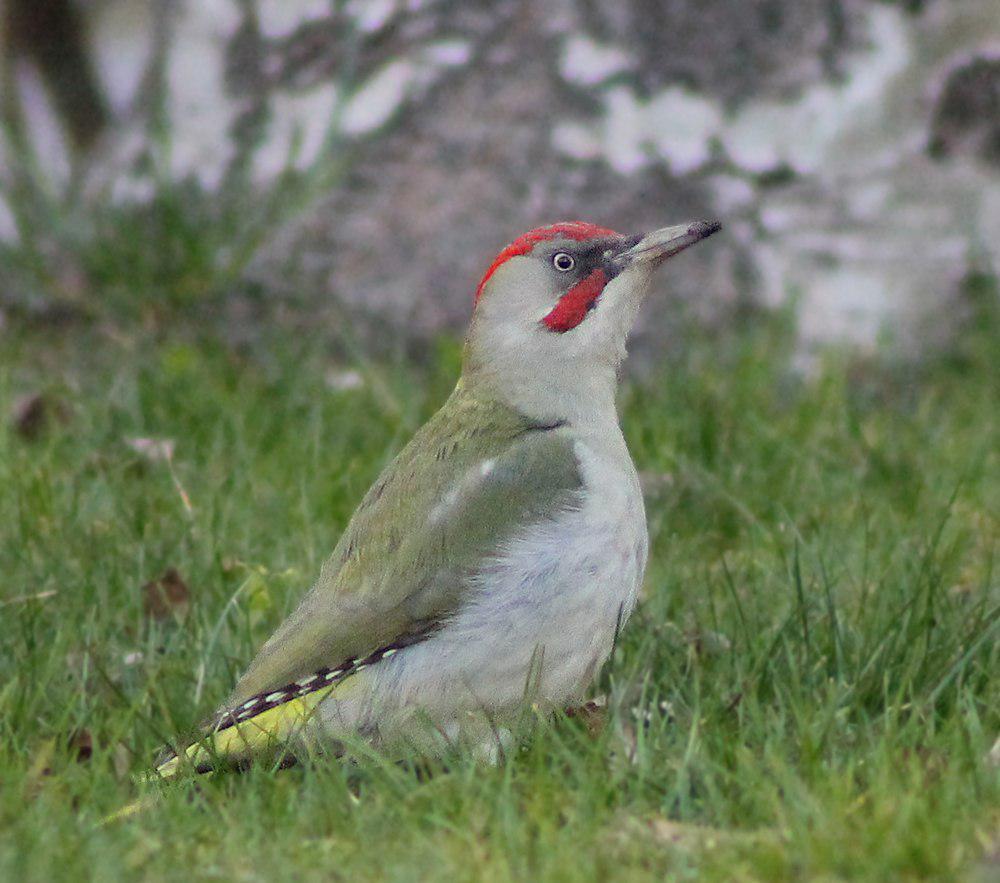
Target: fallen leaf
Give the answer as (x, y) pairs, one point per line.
(81, 745)
(33, 414)
(167, 597)
(593, 714)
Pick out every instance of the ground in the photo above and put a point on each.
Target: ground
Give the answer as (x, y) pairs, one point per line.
(808, 689)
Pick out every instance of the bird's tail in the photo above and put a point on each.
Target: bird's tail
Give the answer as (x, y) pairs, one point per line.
(263, 726)
(260, 727)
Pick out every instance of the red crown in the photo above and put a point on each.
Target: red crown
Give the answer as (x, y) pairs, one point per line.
(578, 230)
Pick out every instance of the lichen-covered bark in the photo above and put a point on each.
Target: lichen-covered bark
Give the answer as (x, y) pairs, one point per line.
(850, 145)
(51, 34)
(966, 117)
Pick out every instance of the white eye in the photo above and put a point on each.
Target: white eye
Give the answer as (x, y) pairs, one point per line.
(563, 262)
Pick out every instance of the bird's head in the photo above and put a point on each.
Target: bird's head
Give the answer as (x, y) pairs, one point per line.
(554, 308)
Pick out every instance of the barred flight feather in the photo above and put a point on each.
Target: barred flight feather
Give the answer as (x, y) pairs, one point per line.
(275, 714)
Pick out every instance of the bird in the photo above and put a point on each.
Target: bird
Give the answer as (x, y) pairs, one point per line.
(494, 561)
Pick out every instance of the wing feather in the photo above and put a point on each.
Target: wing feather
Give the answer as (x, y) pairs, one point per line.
(474, 474)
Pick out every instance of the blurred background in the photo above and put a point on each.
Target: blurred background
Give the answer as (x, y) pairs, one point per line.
(356, 163)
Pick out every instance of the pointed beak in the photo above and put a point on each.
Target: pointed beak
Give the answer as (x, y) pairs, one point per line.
(654, 248)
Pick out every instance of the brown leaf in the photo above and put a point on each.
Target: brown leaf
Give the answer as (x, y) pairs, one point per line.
(593, 714)
(81, 745)
(167, 597)
(33, 414)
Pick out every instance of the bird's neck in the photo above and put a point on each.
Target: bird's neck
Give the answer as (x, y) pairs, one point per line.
(560, 391)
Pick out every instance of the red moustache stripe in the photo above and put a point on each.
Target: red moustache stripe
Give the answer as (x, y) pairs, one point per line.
(572, 307)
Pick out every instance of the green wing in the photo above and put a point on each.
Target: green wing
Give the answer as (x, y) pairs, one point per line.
(469, 478)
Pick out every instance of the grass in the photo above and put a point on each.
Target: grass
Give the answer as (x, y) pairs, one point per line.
(809, 689)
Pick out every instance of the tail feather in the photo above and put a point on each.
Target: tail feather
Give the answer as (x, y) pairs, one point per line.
(263, 725)
(234, 742)
(271, 719)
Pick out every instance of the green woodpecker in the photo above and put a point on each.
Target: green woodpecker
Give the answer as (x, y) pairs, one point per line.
(493, 561)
